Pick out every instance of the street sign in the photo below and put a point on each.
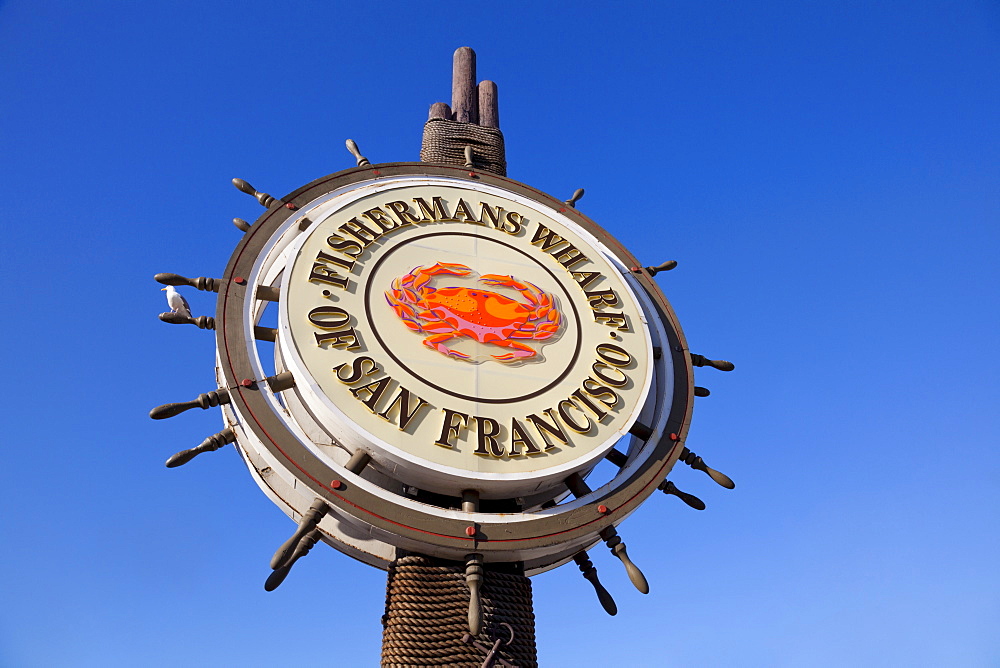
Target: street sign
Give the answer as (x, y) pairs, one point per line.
(468, 334)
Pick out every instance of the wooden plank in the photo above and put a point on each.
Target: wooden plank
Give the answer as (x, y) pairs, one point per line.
(464, 100)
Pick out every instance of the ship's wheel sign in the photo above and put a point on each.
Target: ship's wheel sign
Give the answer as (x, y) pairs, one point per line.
(464, 331)
(431, 358)
(435, 359)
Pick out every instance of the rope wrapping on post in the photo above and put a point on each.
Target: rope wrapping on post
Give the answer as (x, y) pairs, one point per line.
(427, 615)
(444, 142)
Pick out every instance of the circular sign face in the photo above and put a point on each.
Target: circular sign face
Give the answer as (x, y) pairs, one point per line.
(465, 335)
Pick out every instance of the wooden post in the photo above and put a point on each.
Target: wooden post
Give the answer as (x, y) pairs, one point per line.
(472, 122)
(464, 100)
(489, 108)
(439, 110)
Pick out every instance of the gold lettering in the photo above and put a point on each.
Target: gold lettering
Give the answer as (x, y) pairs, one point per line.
(463, 213)
(488, 444)
(406, 412)
(596, 390)
(345, 338)
(617, 320)
(495, 217)
(375, 391)
(600, 298)
(569, 256)
(345, 246)
(585, 278)
(402, 211)
(325, 274)
(546, 238)
(360, 233)
(608, 351)
(613, 382)
(448, 429)
(515, 220)
(564, 407)
(341, 316)
(357, 370)
(520, 437)
(598, 412)
(542, 427)
(435, 213)
(379, 217)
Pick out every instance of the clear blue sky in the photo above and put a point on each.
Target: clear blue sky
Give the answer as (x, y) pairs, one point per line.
(826, 173)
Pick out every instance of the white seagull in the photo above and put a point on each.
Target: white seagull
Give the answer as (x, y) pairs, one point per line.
(176, 301)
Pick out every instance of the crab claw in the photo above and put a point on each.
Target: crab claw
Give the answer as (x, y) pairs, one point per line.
(529, 291)
(448, 268)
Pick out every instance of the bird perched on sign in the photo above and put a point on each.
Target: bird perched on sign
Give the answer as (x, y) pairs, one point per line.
(176, 301)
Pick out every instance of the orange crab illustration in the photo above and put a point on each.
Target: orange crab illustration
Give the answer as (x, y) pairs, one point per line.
(486, 316)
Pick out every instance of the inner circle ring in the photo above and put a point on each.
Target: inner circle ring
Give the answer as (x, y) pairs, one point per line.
(388, 350)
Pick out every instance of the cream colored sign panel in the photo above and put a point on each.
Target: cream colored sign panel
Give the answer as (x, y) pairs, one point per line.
(462, 329)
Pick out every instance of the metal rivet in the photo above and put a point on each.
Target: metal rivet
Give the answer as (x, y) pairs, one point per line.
(336, 484)
(239, 280)
(602, 509)
(246, 382)
(326, 293)
(470, 531)
(674, 437)
(289, 205)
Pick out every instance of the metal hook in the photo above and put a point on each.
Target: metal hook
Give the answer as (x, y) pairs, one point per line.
(491, 653)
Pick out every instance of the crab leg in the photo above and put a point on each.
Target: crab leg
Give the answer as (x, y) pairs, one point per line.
(539, 331)
(445, 268)
(436, 341)
(540, 300)
(520, 351)
(403, 310)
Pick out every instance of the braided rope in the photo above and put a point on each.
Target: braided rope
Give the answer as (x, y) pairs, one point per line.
(427, 612)
(445, 141)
